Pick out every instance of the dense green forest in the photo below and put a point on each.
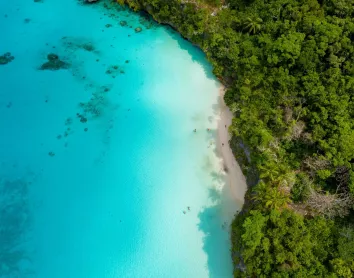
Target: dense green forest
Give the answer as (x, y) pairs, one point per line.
(289, 69)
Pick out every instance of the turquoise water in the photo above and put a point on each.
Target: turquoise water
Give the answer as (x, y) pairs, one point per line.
(99, 161)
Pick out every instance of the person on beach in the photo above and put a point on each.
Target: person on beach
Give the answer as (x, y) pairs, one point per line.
(189, 208)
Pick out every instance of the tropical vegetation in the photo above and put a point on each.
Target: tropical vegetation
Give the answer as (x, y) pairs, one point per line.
(289, 69)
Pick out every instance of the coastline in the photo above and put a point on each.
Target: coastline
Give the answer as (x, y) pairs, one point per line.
(235, 181)
(235, 186)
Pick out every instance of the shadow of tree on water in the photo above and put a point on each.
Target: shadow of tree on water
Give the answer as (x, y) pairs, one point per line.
(196, 54)
(216, 242)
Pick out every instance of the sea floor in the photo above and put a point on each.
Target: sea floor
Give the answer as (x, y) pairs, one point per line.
(101, 172)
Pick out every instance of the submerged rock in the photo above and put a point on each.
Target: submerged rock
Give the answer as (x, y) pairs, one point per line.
(52, 57)
(54, 63)
(114, 70)
(123, 23)
(75, 43)
(6, 58)
(68, 121)
(138, 29)
(87, 46)
(95, 106)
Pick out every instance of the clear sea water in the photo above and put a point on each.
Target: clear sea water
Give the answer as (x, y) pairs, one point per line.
(99, 161)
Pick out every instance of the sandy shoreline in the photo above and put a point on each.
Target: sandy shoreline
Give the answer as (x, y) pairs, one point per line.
(235, 180)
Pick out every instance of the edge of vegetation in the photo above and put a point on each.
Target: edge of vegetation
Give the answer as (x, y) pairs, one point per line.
(289, 69)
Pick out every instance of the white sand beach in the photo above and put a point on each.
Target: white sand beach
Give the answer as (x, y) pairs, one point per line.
(235, 180)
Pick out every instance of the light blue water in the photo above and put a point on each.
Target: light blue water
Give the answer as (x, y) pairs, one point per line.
(105, 198)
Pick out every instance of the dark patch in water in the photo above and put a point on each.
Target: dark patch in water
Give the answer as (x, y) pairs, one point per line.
(14, 222)
(6, 58)
(54, 63)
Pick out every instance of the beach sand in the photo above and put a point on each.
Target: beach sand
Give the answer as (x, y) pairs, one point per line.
(236, 186)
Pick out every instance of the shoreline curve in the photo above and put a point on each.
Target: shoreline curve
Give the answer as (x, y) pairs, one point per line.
(235, 182)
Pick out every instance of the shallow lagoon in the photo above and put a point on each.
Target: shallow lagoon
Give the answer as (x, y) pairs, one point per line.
(99, 161)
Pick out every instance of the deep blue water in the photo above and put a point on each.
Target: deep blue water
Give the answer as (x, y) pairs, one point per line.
(99, 161)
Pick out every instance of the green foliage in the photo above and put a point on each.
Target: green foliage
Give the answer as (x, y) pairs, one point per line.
(301, 189)
(214, 3)
(342, 269)
(253, 25)
(346, 244)
(284, 244)
(269, 197)
(351, 183)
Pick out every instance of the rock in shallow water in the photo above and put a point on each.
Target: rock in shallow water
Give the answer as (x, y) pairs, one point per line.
(6, 58)
(54, 63)
(52, 57)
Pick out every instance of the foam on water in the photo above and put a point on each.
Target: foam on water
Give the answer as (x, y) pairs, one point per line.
(105, 197)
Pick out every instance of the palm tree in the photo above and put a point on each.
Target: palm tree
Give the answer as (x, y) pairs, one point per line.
(285, 181)
(253, 25)
(275, 199)
(270, 197)
(270, 171)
